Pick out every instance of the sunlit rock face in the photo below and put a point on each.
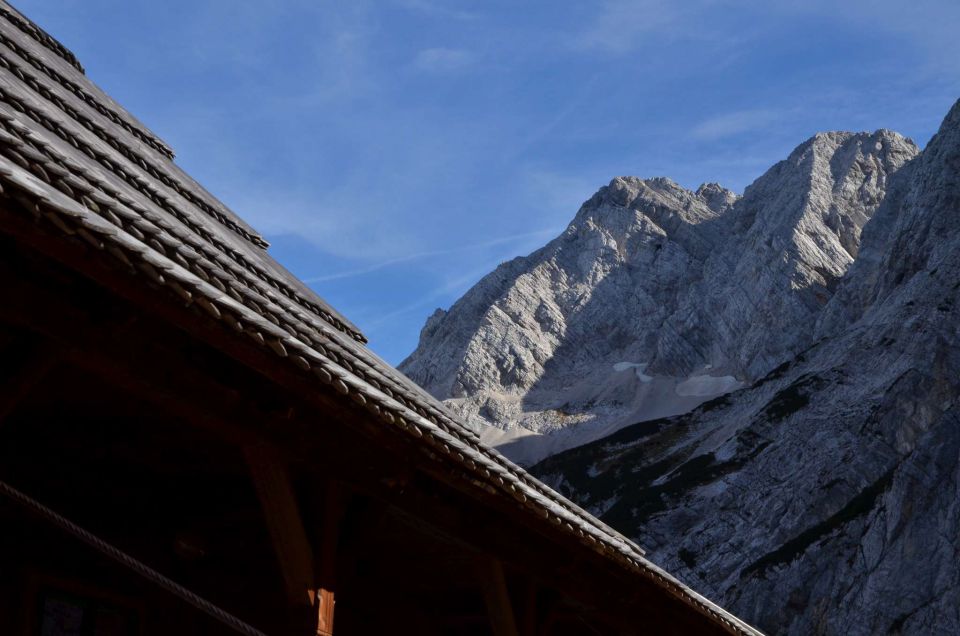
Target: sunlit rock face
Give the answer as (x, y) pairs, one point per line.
(655, 298)
(824, 498)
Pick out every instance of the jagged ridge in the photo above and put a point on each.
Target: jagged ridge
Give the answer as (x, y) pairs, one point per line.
(655, 298)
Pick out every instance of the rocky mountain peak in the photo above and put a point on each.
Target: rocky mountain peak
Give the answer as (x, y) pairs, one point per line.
(717, 198)
(655, 298)
(660, 199)
(832, 175)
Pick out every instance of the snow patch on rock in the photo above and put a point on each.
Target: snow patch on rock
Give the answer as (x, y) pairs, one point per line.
(637, 367)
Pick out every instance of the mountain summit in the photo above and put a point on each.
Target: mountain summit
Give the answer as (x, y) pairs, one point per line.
(656, 299)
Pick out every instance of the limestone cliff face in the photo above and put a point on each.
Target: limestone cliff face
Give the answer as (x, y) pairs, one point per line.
(825, 497)
(656, 298)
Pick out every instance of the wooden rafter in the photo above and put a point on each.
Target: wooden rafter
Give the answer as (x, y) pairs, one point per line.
(493, 584)
(279, 503)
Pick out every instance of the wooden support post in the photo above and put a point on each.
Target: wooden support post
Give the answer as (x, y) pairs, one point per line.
(325, 606)
(333, 507)
(493, 584)
(272, 483)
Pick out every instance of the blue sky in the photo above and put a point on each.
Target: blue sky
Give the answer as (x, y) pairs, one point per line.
(394, 151)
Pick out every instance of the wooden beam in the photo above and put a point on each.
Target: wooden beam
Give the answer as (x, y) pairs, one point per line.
(102, 346)
(493, 584)
(279, 503)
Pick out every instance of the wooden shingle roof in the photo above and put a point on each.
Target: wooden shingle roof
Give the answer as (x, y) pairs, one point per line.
(90, 171)
(56, 117)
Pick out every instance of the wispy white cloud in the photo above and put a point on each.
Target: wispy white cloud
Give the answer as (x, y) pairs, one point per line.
(456, 286)
(442, 60)
(503, 240)
(340, 66)
(584, 94)
(557, 193)
(339, 225)
(735, 123)
(437, 9)
(621, 24)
